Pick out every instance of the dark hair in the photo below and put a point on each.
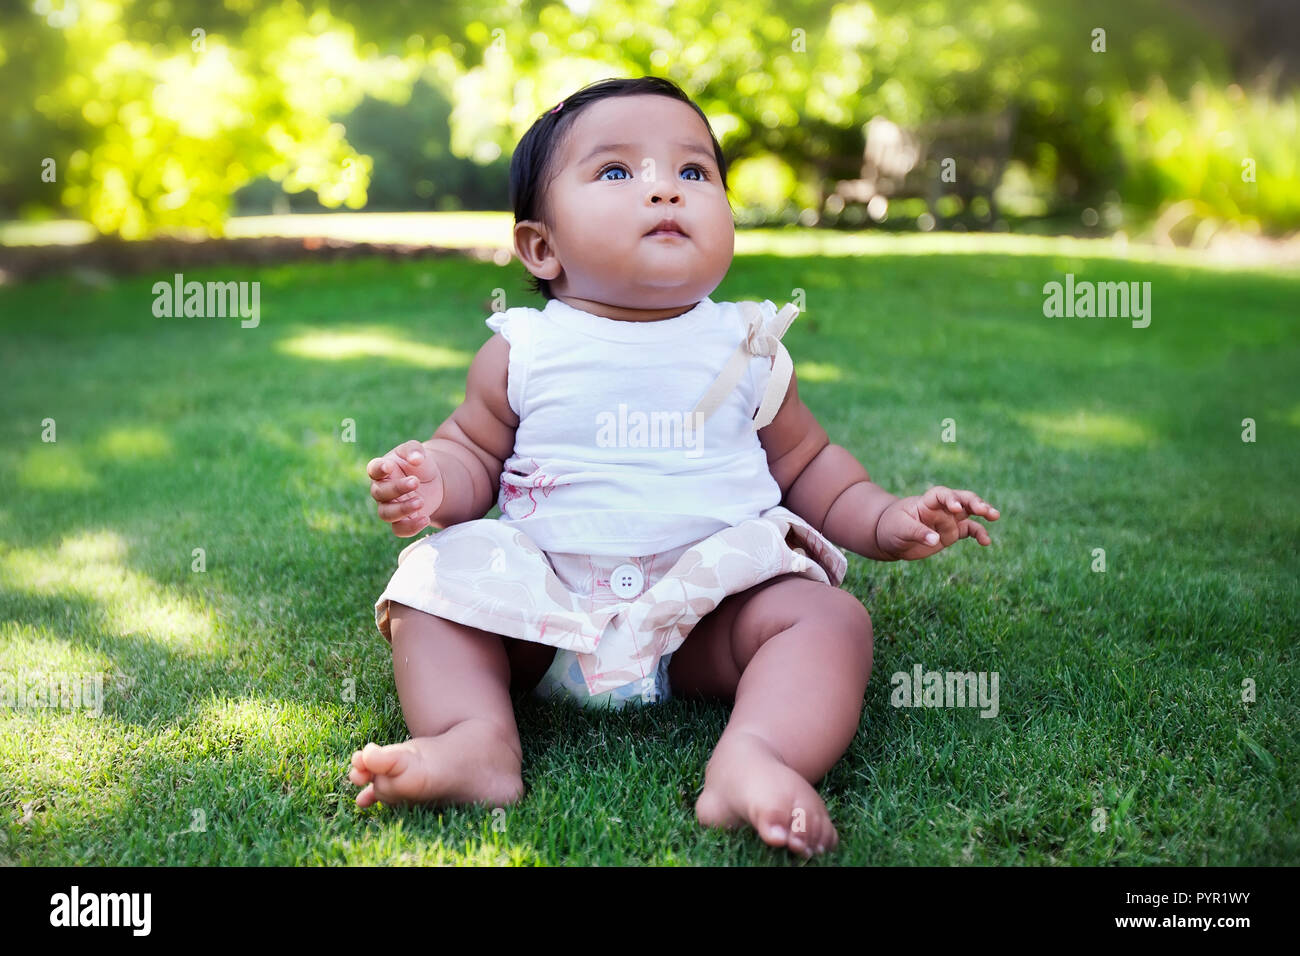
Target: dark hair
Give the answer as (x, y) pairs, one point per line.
(531, 164)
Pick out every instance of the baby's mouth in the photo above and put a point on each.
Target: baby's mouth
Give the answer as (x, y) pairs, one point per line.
(667, 227)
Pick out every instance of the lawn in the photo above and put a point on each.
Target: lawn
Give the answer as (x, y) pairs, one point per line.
(234, 696)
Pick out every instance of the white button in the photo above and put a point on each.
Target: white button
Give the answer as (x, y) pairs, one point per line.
(626, 580)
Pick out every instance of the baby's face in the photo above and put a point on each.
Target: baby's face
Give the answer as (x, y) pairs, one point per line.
(628, 163)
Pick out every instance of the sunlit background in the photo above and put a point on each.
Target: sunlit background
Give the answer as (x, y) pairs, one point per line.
(1166, 120)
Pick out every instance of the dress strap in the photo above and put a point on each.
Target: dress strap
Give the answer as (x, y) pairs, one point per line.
(764, 326)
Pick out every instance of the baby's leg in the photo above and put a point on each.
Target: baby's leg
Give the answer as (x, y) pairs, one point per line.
(796, 656)
(454, 684)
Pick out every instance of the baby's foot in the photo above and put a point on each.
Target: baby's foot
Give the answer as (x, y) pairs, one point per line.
(746, 782)
(469, 763)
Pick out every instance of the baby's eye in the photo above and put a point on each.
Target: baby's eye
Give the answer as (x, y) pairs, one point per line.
(610, 168)
(700, 169)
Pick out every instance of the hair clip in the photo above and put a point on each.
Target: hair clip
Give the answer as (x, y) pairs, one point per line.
(557, 108)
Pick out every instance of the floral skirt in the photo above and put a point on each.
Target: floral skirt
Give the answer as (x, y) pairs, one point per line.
(615, 621)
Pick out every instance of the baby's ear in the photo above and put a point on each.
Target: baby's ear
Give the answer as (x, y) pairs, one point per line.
(533, 247)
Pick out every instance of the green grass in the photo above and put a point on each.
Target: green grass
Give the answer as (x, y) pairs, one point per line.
(224, 690)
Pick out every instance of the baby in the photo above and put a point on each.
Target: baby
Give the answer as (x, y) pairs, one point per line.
(697, 555)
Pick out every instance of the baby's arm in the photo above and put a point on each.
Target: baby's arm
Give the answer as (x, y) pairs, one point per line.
(820, 482)
(471, 446)
(829, 488)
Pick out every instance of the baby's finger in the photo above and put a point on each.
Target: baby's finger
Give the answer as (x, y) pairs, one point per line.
(954, 503)
(962, 502)
(412, 452)
(394, 510)
(937, 498)
(420, 463)
(409, 526)
(379, 468)
(920, 533)
(970, 529)
(394, 488)
(976, 505)
(391, 468)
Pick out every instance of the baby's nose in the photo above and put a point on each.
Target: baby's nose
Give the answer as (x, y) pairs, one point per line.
(662, 190)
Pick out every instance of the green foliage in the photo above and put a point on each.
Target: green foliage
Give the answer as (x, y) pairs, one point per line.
(170, 119)
(1222, 155)
(799, 79)
(153, 124)
(413, 167)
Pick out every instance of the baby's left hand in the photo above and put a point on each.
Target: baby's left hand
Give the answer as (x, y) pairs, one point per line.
(921, 525)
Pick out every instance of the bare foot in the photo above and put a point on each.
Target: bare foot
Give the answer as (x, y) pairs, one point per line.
(471, 762)
(746, 782)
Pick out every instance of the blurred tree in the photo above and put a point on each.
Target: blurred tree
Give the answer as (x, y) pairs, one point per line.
(413, 166)
(797, 80)
(1262, 37)
(1221, 156)
(157, 112)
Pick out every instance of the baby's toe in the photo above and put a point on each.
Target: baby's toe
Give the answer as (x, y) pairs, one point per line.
(825, 838)
(812, 832)
(804, 844)
(358, 773)
(384, 761)
(773, 827)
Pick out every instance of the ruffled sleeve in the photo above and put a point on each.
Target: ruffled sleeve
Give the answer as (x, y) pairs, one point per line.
(514, 327)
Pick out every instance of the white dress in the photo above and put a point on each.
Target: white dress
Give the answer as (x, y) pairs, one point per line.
(619, 531)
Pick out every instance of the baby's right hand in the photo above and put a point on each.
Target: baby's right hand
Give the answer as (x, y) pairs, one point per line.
(408, 485)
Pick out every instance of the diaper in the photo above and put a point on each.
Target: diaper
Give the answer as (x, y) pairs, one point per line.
(615, 621)
(607, 582)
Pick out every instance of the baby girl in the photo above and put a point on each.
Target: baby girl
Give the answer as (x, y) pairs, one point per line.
(695, 557)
